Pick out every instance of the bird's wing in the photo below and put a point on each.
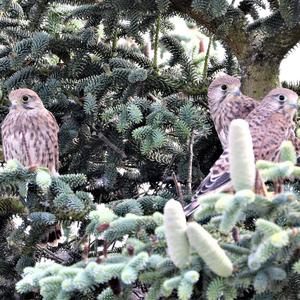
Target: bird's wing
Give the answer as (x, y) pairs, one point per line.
(232, 107)
(218, 175)
(7, 136)
(268, 134)
(55, 129)
(40, 135)
(296, 142)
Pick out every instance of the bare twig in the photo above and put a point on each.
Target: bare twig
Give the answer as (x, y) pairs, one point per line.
(96, 247)
(178, 188)
(114, 43)
(105, 248)
(113, 245)
(111, 145)
(190, 166)
(153, 97)
(260, 187)
(156, 40)
(50, 254)
(80, 241)
(206, 59)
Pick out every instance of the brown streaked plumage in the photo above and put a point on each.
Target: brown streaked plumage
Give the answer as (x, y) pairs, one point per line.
(29, 135)
(229, 104)
(29, 132)
(270, 123)
(226, 103)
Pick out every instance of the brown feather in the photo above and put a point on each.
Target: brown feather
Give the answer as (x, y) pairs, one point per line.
(270, 124)
(31, 135)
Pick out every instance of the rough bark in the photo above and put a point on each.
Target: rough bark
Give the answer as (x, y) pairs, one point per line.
(259, 54)
(260, 77)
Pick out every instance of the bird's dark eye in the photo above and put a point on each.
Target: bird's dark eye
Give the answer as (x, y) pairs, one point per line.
(223, 87)
(25, 98)
(281, 98)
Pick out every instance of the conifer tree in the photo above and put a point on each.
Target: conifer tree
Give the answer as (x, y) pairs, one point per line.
(135, 133)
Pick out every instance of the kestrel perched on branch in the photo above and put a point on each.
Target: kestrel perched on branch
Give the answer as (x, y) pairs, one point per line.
(29, 132)
(226, 103)
(30, 135)
(270, 123)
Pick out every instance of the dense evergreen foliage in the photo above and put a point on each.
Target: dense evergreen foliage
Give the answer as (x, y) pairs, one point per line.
(134, 133)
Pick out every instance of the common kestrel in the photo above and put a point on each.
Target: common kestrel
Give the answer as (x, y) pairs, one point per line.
(226, 103)
(270, 123)
(29, 132)
(29, 135)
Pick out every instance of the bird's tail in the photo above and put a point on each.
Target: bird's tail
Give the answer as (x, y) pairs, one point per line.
(194, 205)
(196, 200)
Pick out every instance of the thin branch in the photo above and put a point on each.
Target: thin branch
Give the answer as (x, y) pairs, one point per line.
(50, 254)
(96, 247)
(190, 166)
(178, 188)
(152, 97)
(80, 241)
(285, 39)
(156, 39)
(236, 36)
(111, 145)
(105, 248)
(201, 18)
(206, 59)
(274, 4)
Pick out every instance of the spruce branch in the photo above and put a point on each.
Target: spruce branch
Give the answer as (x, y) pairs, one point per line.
(206, 59)
(285, 39)
(50, 254)
(111, 145)
(156, 40)
(236, 36)
(190, 164)
(178, 188)
(114, 43)
(233, 29)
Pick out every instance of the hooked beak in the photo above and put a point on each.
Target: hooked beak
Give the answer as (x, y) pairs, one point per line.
(294, 106)
(27, 107)
(13, 105)
(236, 92)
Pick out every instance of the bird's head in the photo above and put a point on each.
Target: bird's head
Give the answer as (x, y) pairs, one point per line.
(283, 99)
(224, 86)
(24, 99)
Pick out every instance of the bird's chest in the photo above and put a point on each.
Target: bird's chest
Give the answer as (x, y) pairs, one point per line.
(223, 115)
(268, 136)
(23, 138)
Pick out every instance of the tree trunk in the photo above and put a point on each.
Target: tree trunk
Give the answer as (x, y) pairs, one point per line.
(258, 78)
(258, 51)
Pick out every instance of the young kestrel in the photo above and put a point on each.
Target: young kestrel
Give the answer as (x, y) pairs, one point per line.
(29, 135)
(226, 103)
(29, 132)
(270, 123)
